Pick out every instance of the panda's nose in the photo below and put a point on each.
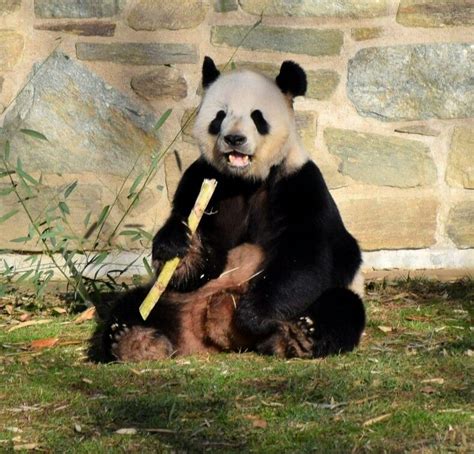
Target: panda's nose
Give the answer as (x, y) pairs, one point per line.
(235, 139)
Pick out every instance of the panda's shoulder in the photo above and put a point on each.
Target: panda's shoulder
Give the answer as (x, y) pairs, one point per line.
(307, 176)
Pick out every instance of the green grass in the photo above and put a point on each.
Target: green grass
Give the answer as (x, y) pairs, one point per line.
(417, 375)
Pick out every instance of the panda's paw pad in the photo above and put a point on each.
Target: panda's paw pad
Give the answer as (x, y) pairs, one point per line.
(306, 325)
(138, 343)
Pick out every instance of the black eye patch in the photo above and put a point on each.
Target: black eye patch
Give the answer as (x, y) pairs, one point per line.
(260, 123)
(215, 125)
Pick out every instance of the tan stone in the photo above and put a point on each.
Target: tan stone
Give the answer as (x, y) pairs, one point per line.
(460, 225)
(316, 8)
(435, 13)
(163, 81)
(381, 160)
(460, 171)
(11, 49)
(366, 33)
(419, 129)
(153, 15)
(398, 221)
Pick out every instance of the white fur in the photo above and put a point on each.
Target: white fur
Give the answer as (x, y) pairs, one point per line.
(239, 94)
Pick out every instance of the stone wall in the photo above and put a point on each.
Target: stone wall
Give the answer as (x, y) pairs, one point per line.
(388, 115)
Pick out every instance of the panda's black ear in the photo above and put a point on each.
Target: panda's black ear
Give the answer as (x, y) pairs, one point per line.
(292, 79)
(209, 72)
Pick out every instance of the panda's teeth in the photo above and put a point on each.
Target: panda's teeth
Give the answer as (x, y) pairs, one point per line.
(236, 159)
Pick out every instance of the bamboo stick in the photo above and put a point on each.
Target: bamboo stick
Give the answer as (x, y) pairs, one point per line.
(205, 194)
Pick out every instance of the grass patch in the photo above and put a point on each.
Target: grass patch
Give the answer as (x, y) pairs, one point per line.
(407, 388)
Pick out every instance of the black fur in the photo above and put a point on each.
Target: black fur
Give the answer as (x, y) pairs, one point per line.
(210, 73)
(308, 250)
(215, 125)
(292, 79)
(260, 123)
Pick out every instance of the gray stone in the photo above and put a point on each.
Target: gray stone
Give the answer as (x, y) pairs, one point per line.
(460, 171)
(381, 160)
(421, 130)
(9, 6)
(90, 126)
(11, 49)
(225, 6)
(399, 221)
(96, 28)
(164, 81)
(354, 9)
(435, 13)
(298, 41)
(413, 82)
(152, 15)
(77, 9)
(366, 33)
(138, 53)
(460, 225)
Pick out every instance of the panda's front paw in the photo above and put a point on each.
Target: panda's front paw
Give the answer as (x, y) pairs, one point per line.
(171, 241)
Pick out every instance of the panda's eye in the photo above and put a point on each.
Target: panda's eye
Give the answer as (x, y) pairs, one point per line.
(215, 125)
(260, 123)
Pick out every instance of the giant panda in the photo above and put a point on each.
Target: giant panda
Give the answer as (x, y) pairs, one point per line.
(271, 268)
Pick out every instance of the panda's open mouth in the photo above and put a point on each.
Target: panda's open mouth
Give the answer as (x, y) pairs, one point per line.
(236, 159)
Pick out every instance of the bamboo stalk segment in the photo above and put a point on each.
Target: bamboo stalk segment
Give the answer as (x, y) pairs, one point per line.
(205, 194)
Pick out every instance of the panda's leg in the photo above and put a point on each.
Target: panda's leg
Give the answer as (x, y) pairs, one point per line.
(124, 336)
(332, 325)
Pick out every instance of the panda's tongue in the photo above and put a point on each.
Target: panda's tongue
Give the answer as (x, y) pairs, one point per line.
(238, 159)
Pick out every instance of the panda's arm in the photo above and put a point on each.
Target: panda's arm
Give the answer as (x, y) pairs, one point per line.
(299, 263)
(199, 260)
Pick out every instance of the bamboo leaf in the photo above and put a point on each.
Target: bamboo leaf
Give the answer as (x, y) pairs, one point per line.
(103, 215)
(136, 182)
(148, 267)
(163, 119)
(64, 208)
(8, 215)
(7, 191)
(7, 150)
(69, 189)
(21, 239)
(21, 172)
(99, 258)
(24, 276)
(34, 134)
(87, 219)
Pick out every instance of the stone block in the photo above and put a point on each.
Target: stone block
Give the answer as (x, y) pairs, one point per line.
(153, 15)
(77, 9)
(308, 41)
(163, 81)
(460, 170)
(381, 160)
(90, 126)
(390, 221)
(96, 28)
(353, 9)
(366, 33)
(138, 53)
(420, 129)
(11, 49)
(460, 225)
(413, 82)
(225, 6)
(435, 13)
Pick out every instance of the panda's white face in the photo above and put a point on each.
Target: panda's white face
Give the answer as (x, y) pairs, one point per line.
(245, 124)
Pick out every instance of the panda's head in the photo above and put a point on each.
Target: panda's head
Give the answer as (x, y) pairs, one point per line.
(245, 123)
